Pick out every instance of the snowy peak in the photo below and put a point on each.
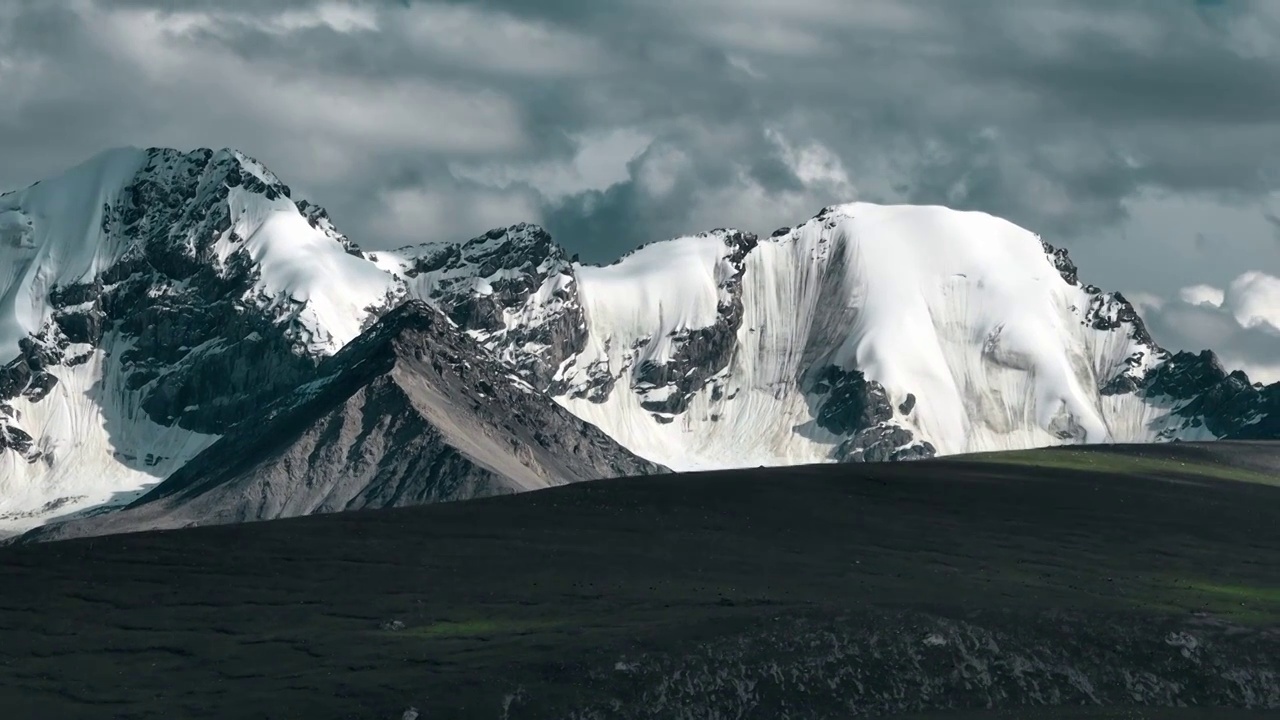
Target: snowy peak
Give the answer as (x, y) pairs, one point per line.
(153, 300)
(179, 215)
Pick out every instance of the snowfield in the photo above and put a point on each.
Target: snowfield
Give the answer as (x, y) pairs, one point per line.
(963, 310)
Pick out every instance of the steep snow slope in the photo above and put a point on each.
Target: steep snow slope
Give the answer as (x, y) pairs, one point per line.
(961, 316)
(51, 234)
(73, 441)
(300, 268)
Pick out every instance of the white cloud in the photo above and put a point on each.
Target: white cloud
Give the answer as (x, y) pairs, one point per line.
(1145, 302)
(1254, 300)
(750, 207)
(880, 15)
(660, 168)
(813, 163)
(746, 36)
(1241, 324)
(343, 17)
(1202, 295)
(745, 66)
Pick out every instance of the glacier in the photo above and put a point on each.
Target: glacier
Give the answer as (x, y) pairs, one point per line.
(962, 311)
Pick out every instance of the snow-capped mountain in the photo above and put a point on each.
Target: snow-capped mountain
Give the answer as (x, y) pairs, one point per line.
(867, 333)
(150, 300)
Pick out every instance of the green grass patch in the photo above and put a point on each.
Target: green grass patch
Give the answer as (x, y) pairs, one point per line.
(1255, 605)
(1242, 593)
(1106, 460)
(477, 628)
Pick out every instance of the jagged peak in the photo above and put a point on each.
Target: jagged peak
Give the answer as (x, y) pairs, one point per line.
(523, 247)
(227, 165)
(738, 241)
(520, 236)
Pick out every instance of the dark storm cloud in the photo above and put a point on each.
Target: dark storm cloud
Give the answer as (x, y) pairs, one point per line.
(1274, 219)
(621, 122)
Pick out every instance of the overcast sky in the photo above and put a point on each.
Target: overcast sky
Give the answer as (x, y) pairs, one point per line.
(1144, 135)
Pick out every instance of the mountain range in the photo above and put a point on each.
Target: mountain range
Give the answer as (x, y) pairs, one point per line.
(180, 317)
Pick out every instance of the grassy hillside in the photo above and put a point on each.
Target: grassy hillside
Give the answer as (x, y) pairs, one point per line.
(1120, 576)
(1226, 460)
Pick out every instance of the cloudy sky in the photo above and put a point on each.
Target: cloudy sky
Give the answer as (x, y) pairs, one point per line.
(1144, 135)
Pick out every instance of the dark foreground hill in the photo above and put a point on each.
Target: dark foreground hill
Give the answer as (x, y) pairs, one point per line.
(1110, 583)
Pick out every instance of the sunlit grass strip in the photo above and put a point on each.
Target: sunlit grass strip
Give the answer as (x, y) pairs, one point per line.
(1106, 460)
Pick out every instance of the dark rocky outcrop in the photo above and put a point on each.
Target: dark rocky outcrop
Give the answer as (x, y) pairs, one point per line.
(1225, 403)
(1064, 265)
(28, 374)
(16, 439)
(907, 405)
(516, 263)
(883, 443)
(850, 405)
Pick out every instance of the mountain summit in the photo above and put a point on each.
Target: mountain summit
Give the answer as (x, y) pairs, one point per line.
(152, 300)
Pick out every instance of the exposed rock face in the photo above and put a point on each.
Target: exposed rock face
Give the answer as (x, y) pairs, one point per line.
(165, 317)
(511, 288)
(1224, 403)
(699, 354)
(17, 440)
(851, 406)
(1064, 265)
(411, 412)
(852, 403)
(196, 348)
(1202, 393)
